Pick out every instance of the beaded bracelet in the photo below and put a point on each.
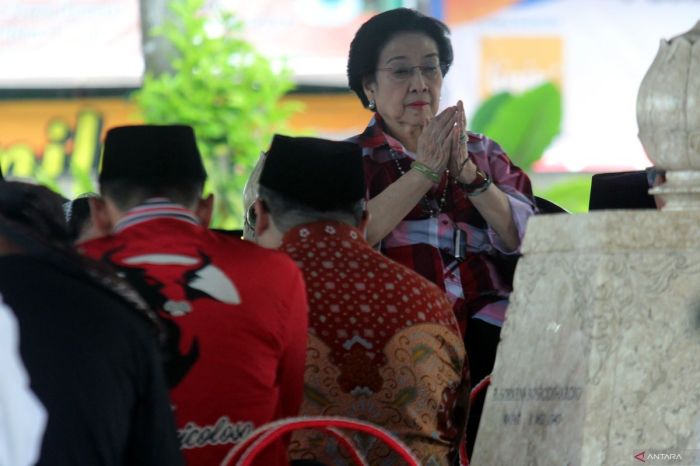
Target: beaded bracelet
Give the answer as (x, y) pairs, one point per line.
(426, 171)
(478, 187)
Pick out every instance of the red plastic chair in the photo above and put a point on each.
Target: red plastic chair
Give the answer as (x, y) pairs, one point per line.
(478, 388)
(245, 452)
(476, 391)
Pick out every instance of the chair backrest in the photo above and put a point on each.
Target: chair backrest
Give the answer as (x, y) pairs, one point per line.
(548, 207)
(620, 190)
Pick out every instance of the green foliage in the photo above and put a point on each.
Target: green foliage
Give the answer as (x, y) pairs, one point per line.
(223, 88)
(571, 194)
(524, 125)
(481, 121)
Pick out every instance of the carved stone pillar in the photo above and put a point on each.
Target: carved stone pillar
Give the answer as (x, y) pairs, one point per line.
(599, 358)
(668, 116)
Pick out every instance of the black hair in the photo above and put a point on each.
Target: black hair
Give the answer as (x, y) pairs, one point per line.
(36, 208)
(77, 214)
(374, 34)
(127, 194)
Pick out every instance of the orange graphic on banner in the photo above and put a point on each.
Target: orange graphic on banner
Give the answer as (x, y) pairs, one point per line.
(461, 11)
(516, 63)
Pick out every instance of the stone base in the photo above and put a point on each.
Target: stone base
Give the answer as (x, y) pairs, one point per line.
(681, 191)
(600, 354)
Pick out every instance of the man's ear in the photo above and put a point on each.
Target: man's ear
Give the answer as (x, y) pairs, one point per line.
(262, 216)
(205, 210)
(100, 216)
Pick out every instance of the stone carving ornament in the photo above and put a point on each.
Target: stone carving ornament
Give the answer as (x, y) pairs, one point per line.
(668, 116)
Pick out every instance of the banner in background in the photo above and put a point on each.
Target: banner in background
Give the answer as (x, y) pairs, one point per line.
(70, 44)
(311, 36)
(52, 139)
(572, 67)
(595, 52)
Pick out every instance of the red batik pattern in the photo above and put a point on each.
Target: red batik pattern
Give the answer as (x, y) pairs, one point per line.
(383, 347)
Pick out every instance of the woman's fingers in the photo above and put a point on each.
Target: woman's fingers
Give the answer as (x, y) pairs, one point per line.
(446, 131)
(454, 159)
(444, 119)
(436, 142)
(441, 145)
(446, 114)
(462, 115)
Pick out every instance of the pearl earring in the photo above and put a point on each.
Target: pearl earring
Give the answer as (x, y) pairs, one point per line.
(372, 104)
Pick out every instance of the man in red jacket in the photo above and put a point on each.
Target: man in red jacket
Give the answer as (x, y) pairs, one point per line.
(235, 314)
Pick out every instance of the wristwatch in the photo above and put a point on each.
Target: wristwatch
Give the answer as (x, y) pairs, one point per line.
(481, 183)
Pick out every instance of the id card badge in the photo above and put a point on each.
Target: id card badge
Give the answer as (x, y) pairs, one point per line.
(459, 245)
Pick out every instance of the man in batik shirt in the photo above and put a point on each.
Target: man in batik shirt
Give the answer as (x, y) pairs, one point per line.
(384, 345)
(236, 314)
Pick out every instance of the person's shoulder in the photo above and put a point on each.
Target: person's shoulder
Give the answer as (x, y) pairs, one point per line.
(368, 148)
(242, 246)
(410, 279)
(96, 246)
(477, 142)
(70, 292)
(248, 252)
(475, 137)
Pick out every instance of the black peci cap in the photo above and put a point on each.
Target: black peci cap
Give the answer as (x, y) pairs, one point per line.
(319, 173)
(146, 153)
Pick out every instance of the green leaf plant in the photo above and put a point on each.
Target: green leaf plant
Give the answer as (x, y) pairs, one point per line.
(572, 194)
(523, 124)
(227, 91)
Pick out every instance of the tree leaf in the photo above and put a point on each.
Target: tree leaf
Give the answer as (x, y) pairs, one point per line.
(572, 194)
(226, 90)
(526, 124)
(487, 110)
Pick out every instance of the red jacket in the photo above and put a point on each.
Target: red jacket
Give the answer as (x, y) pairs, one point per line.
(236, 316)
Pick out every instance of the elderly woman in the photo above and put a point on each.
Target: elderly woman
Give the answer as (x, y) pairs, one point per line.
(443, 201)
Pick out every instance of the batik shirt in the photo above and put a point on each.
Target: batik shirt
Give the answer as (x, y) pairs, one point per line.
(480, 284)
(236, 316)
(384, 347)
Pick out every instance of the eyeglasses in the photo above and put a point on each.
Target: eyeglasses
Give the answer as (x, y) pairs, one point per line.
(250, 217)
(404, 73)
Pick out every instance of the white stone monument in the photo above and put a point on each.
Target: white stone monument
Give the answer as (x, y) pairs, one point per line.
(668, 115)
(599, 361)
